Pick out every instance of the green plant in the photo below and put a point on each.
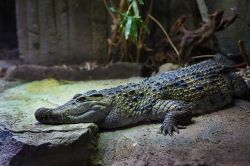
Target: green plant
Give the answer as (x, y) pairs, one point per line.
(130, 20)
(128, 28)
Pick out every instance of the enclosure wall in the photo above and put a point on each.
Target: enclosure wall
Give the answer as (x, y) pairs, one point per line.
(72, 31)
(61, 31)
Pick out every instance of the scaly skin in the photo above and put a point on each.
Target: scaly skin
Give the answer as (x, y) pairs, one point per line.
(170, 97)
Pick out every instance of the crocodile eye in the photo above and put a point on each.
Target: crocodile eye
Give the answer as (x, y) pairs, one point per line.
(77, 95)
(96, 95)
(81, 99)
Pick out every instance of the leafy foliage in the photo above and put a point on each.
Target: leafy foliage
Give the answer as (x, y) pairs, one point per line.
(130, 20)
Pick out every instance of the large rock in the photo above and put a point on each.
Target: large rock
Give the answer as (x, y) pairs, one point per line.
(23, 141)
(47, 145)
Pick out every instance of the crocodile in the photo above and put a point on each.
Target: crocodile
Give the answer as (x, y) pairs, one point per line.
(171, 97)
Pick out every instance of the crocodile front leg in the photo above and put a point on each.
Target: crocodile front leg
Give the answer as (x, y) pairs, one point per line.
(175, 114)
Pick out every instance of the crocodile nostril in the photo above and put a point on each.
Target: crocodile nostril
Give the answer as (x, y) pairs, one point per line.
(41, 114)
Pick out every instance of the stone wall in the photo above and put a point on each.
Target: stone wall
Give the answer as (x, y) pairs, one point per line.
(72, 31)
(61, 31)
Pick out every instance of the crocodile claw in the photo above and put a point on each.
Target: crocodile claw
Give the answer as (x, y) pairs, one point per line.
(170, 128)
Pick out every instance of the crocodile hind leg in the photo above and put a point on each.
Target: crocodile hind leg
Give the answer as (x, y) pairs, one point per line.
(175, 114)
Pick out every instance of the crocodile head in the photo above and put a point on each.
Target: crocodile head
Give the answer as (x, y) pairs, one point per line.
(80, 109)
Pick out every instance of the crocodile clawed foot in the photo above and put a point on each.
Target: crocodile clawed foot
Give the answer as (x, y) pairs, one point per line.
(169, 128)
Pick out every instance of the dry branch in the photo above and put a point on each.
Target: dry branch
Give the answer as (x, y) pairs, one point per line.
(190, 39)
(166, 34)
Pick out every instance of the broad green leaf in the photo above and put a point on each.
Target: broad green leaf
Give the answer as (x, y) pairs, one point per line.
(130, 20)
(135, 8)
(128, 27)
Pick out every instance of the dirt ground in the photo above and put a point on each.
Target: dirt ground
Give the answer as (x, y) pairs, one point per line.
(219, 138)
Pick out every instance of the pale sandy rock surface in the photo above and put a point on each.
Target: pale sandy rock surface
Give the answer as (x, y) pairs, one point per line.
(23, 141)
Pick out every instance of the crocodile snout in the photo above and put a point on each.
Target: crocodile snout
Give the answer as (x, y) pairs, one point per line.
(42, 115)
